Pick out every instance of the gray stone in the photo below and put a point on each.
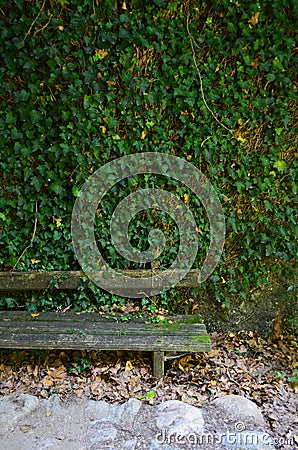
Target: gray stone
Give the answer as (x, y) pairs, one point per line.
(246, 440)
(129, 410)
(105, 412)
(44, 445)
(156, 446)
(99, 411)
(14, 407)
(239, 409)
(179, 418)
(130, 445)
(102, 432)
(53, 405)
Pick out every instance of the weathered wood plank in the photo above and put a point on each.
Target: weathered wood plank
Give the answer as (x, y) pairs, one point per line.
(79, 341)
(98, 330)
(93, 317)
(92, 331)
(94, 323)
(158, 364)
(24, 281)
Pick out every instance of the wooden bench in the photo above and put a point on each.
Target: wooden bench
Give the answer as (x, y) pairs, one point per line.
(93, 331)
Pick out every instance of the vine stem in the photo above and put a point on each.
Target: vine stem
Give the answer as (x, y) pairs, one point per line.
(193, 43)
(32, 24)
(31, 240)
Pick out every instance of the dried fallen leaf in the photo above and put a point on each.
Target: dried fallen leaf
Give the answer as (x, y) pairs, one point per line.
(61, 437)
(25, 428)
(59, 372)
(47, 382)
(254, 19)
(213, 353)
(128, 366)
(35, 261)
(94, 387)
(102, 53)
(79, 392)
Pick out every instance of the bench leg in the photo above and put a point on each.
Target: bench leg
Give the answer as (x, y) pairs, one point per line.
(158, 364)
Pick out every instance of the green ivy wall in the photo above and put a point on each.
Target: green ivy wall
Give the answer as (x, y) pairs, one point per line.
(84, 82)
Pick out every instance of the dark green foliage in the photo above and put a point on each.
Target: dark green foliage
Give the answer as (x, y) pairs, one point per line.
(83, 83)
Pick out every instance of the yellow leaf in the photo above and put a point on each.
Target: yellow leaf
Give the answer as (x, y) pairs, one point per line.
(144, 134)
(213, 383)
(128, 366)
(156, 264)
(240, 138)
(185, 198)
(49, 413)
(61, 437)
(58, 222)
(111, 83)
(34, 315)
(35, 261)
(254, 19)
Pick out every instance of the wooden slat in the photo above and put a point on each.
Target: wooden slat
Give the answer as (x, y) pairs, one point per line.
(158, 364)
(92, 317)
(96, 330)
(93, 323)
(24, 281)
(91, 342)
(91, 332)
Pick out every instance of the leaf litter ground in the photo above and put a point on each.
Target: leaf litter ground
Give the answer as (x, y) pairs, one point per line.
(262, 369)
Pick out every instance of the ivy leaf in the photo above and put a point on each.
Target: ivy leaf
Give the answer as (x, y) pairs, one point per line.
(56, 187)
(35, 116)
(150, 394)
(280, 165)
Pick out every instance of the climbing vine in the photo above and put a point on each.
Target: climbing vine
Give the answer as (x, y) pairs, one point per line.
(85, 82)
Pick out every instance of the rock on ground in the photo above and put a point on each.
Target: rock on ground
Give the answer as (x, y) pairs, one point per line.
(229, 422)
